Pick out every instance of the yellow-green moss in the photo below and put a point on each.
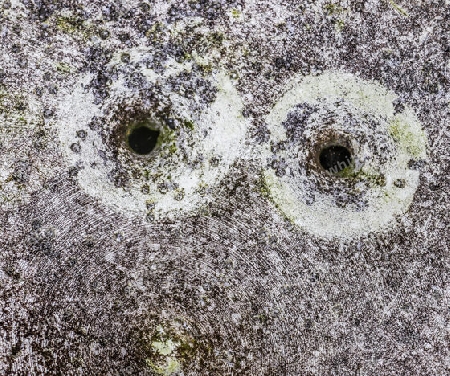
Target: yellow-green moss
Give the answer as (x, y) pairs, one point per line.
(401, 133)
(74, 26)
(339, 25)
(398, 8)
(333, 9)
(63, 67)
(360, 175)
(188, 124)
(167, 350)
(166, 141)
(236, 13)
(171, 367)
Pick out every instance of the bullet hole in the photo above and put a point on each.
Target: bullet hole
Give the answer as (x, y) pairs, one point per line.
(279, 63)
(214, 161)
(359, 6)
(81, 134)
(23, 63)
(310, 200)
(400, 183)
(142, 140)
(36, 224)
(48, 113)
(434, 186)
(399, 106)
(88, 243)
(124, 37)
(145, 8)
(416, 164)
(75, 147)
(22, 171)
(125, 58)
(163, 188)
(104, 34)
(335, 158)
(21, 106)
(52, 89)
(73, 172)
(39, 141)
(95, 124)
(16, 349)
(179, 195)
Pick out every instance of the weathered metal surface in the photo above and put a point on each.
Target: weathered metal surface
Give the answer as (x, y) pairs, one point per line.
(229, 249)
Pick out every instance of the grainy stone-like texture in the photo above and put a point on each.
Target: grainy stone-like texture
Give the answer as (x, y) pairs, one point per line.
(190, 261)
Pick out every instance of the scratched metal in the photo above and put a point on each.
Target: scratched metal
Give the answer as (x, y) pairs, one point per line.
(228, 250)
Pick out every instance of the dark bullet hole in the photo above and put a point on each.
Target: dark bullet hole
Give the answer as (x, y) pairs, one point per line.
(125, 58)
(416, 164)
(335, 158)
(36, 224)
(104, 34)
(400, 183)
(81, 134)
(434, 186)
(75, 147)
(73, 171)
(48, 113)
(142, 140)
(23, 63)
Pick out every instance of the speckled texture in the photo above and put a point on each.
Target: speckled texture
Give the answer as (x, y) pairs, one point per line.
(231, 286)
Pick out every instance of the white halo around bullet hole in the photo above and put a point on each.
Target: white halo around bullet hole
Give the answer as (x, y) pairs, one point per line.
(218, 134)
(323, 217)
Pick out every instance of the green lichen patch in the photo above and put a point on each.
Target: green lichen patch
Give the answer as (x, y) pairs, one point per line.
(170, 368)
(168, 349)
(75, 26)
(264, 189)
(333, 9)
(236, 13)
(189, 124)
(359, 175)
(63, 67)
(167, 141)
(398, 8)
(13, 107)
(407, 138)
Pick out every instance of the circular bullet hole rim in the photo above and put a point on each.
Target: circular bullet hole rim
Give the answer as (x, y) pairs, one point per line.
(323, 217)
(151, 125)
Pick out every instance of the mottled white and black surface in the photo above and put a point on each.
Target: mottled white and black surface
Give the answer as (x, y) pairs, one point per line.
(228, 250)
